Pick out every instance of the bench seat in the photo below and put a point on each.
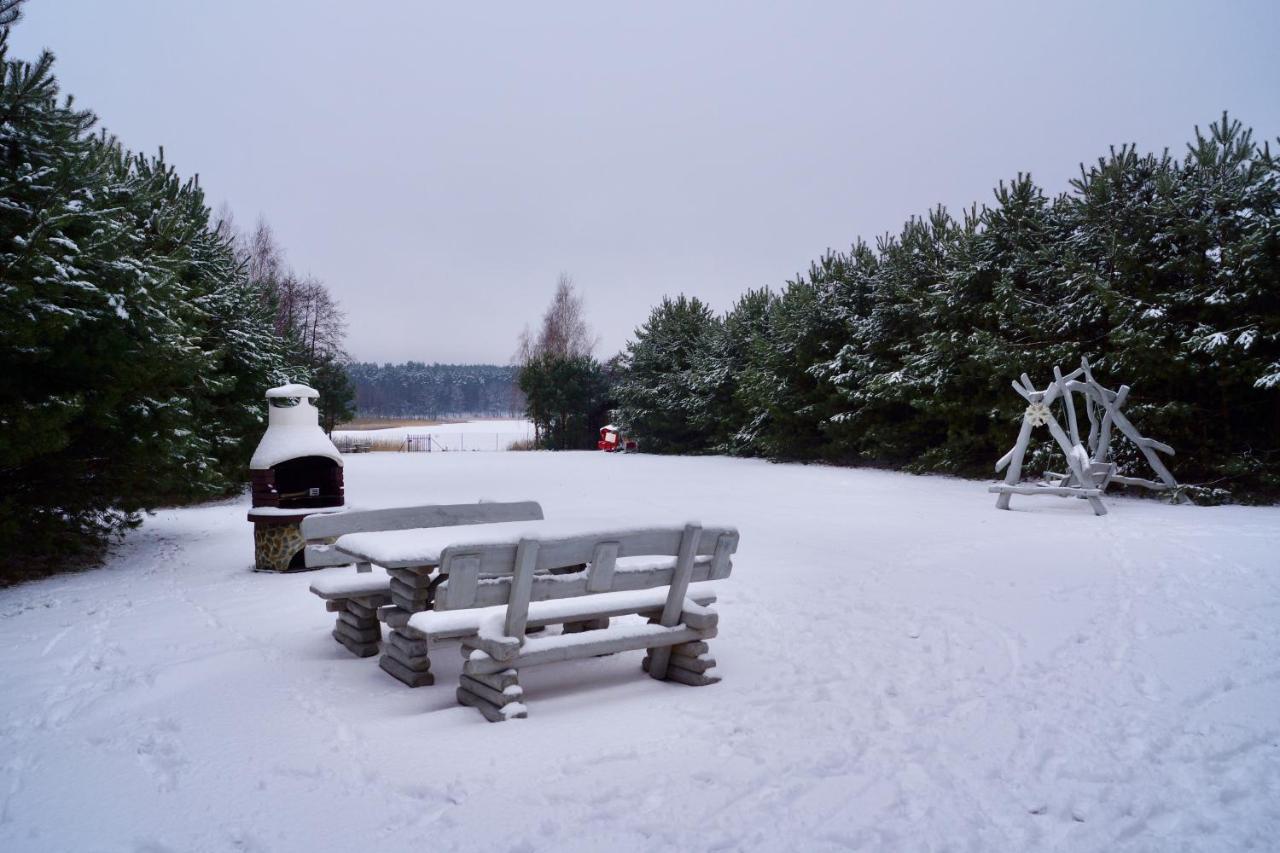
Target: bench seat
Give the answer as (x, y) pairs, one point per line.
(349, 584)
(606, 641)
(487, 621)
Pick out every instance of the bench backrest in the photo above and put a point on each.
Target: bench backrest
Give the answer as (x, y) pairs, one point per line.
(316, 529)
(489, 574)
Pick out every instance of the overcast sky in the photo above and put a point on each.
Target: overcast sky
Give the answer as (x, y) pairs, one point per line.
(438, 165)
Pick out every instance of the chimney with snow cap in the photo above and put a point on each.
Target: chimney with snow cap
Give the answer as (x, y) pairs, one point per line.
(296, 471)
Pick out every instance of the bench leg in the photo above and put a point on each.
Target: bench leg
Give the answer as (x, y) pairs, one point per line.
(498, 697)
(690, 663)
(406, 659)
(357, 627)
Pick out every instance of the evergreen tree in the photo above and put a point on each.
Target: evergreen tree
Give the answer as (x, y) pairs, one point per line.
(126, 331)
(721, 404)
(566, 398)
(658, 391)
(337, 394)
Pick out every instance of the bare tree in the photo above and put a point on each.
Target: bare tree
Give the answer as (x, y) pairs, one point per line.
(226, 225)
(564, 332)
(563, 337)
(305, 311)
(318, 321)
(263, 256)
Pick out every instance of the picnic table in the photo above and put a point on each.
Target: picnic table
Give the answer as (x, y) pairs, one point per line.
(414, 558)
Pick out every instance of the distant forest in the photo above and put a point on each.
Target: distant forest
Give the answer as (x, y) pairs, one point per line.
(415, 389)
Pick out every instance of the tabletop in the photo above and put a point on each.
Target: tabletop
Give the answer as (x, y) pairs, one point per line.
(423, 546)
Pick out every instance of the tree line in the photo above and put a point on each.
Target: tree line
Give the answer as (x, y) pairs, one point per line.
(136, 332)
(1163, 270)
(414, 389)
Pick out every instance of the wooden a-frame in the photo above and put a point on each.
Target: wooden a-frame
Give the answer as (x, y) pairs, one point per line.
(1089, 471)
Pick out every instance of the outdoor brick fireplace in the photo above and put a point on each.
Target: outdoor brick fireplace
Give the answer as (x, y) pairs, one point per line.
(296, 471)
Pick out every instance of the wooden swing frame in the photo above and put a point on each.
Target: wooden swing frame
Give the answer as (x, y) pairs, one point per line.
(1089, 471)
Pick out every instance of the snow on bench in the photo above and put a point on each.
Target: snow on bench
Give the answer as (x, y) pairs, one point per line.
(321, 530)
(486, 622)
(357, 596)
(407, 548)
(345, 584)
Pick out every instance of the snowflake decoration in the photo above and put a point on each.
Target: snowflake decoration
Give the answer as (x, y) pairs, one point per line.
(1037, 413)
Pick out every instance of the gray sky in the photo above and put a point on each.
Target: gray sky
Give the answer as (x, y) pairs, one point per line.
(438, 166)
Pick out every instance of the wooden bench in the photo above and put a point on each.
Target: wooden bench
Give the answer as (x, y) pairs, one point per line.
(496, 592)
(357, 596)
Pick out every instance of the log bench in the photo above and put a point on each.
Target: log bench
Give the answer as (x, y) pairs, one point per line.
(495, 592)
(357, 597)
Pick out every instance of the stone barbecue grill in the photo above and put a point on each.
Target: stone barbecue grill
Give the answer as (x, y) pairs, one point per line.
(296, 471)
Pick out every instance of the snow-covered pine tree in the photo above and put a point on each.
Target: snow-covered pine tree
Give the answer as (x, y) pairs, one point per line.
(787, 404)
(118, 393)
(1220, 303)
(244, 352)
(51, 222)
(722, 409)
(657, 391)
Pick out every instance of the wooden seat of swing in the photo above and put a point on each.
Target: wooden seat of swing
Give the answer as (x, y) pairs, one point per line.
(1100, 475)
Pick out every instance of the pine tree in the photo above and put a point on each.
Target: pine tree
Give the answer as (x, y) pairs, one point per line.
(722, 403)
(127, 332)
(567, 399)
(337, 394)
(657, 391)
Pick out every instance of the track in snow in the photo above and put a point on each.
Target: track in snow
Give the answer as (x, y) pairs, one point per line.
(904, 667)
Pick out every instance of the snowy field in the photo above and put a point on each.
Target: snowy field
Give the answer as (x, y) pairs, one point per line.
(905, 668)
(496, 434)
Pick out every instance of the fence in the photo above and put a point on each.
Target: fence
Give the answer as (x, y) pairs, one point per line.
(445, 442)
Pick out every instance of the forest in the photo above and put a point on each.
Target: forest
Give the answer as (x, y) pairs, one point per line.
(1163, 270)
(417, 390)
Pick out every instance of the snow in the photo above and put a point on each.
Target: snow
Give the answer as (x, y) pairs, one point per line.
(287, 512)
(497, 434)
(280, 443)
(490, 619)
(347, 582)
(292, 389)
(1081, 456)
(629, 630)
(904, 667)
(292, 432)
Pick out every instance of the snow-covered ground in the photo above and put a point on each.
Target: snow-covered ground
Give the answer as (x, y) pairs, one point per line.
(496, 434)
(905, 668)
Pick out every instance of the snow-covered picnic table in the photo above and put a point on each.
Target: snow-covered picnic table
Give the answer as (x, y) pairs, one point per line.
(514, 575)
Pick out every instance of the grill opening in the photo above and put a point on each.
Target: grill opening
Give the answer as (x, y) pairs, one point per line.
(309, 481)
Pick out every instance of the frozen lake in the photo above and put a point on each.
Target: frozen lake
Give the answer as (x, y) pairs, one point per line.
(495, 434)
